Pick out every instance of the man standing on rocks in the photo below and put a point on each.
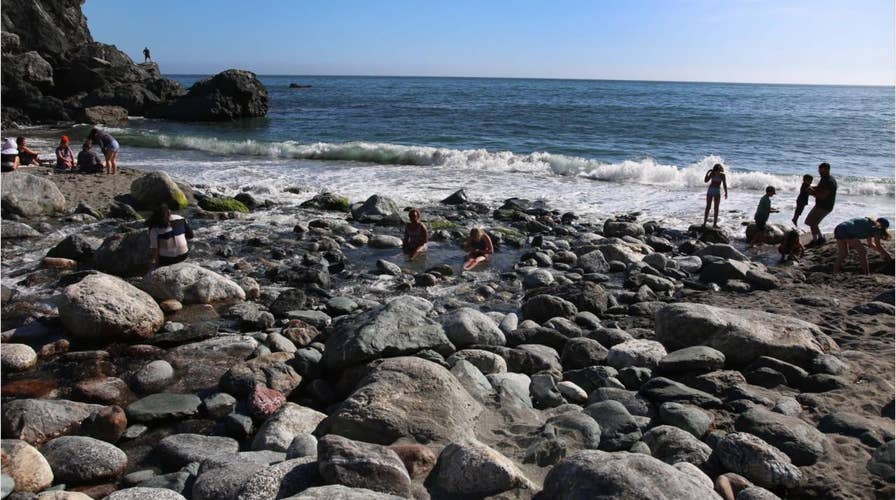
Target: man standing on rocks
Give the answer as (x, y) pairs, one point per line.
(825, 194)
(146, 57)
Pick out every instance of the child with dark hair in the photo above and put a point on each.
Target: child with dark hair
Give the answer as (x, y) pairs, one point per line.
(168, 235)
(802, 199)
(762, 213)
(791, 248)
(416, 236)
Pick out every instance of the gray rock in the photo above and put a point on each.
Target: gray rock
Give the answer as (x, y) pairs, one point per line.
(157, 188)
(399, 328)
(692, 359)
(758, 461)
(12, 230)
(226, 96)
(471, 468)
(340, 492)
(686, 417)
(385, 267)
(509, 323)
(741, 335)
(473, 380)
(756, 493)
(7, 485)
(384, 241)
(633, 377)
(544, 392)
(619, 430)
(303, 445)
(24, 466)
(317, 319)
(582, 352)
(154, 377)
(36, 421)
(672, 445)
(375, 209)
(796, 438)
(191, 284)
(724, 251)
(76, 247)
(827, 363)
(395, 400)
(105, 308)
(337, 306)
(661, 390)
(638, 352)
(572, 392)
(853, 425)
(362, 465)
(723, 271)
(142, 493)
(17, 357)
(563, 434)
(218, 404)
(882, 461)
(281, 479)
(598, 474)
(84, 460)
(466, 326)
(487, 362)
(544, 307)
(635, 403)
(28, 195)
(178, 450)
(291, 420)
(271, 370)
(223, 481)
(537, 279)
(163, 406)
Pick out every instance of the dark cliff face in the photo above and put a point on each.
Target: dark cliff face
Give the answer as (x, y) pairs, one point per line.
(52, 69)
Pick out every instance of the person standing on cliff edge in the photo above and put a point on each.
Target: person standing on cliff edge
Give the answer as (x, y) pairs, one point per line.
(146, 57)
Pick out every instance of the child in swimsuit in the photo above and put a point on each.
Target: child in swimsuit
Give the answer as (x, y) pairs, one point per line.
(717, 181)
(415, 236)
(479, 248)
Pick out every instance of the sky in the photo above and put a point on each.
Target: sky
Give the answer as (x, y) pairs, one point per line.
(769, 41)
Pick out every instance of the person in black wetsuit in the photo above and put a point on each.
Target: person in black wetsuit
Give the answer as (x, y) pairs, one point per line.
(146, 57)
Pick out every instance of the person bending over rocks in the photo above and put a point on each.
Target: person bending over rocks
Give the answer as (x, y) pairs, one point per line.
(479, 248)
(109, 146)
(791, 248)
(850, 233)
(9, 156)
(415, 236)
(88, 161)
(65, 157)
(168, 235)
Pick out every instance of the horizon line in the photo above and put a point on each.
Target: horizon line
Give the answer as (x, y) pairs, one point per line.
(720, 82)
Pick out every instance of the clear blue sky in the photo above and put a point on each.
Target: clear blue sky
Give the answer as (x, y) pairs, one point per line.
(799, 41)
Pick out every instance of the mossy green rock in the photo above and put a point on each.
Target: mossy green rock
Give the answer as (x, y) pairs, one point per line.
(328, 201)
(157, 188)
(222, 205)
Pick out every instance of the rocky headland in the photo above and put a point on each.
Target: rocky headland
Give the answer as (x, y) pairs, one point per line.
(54, 72)
(296, 354)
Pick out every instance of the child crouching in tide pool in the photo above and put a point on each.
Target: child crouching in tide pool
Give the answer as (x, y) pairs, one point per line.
(415, 236)
(791, 247)
(479, 248)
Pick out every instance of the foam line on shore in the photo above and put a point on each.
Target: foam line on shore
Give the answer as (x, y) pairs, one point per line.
(642, 171)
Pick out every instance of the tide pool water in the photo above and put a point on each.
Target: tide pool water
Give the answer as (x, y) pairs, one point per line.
(595, 147)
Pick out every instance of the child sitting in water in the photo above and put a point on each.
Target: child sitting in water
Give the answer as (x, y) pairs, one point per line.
(479, 248)
(791, 247)
(415, 236)
(803, 198)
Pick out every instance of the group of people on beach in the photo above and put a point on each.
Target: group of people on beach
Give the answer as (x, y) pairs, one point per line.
(15, 154)
(847, 234)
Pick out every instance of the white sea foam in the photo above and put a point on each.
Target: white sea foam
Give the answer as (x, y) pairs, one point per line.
(641, 171)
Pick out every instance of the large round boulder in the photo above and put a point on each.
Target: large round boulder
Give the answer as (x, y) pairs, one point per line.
(191, 284)
(742, 335)
(103, 307)
(634, 476)
(756, 460)
(467, 326)
(406, 397)
(25, 465)
(84, 460)
(474, 469)
(29, 195)
(229, 95)
(124, 254)
(157, 188)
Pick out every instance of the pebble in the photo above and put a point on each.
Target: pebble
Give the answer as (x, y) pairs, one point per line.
(17, 357)
(154, 377)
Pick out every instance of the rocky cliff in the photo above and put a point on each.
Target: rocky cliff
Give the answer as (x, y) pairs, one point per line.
(52, 70)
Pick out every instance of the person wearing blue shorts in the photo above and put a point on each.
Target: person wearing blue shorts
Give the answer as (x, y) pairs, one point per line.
(109, 146)
(849, 234)
(717, 181)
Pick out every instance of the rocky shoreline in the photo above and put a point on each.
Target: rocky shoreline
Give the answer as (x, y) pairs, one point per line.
(297, 355)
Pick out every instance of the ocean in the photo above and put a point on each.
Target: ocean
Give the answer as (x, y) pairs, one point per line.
(593, 147)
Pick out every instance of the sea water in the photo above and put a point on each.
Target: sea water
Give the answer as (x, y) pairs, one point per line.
(593, 147)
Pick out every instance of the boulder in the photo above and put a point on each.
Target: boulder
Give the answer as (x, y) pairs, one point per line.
(471, 468)
(278, 432)
(742, 335)
(487, 362)
(598, 474)
(796, 438)
(582, 352)
(75, 247)
(466, 326)
(662, 390)
(191, 284)
(12, 230)
(104, 115)
(153, 377)
(124, 254)
(401, 327)
(270, 370)
(375, 209)
(673, 445)
(281, 479)
(544, 307)
(24, 464)
(163, 406)
(561, 435)
(157, 188)
(619, 229)
(222, 204)
(593, 262)
(384, 241)
(854, 425)
(17, 357)
(143, 493)
(227, 96)
(458, 197)
(638, 352)
(28, 195)
(406, 397)
(721, 271)
(756, 460)
(619, 430)
(341, 492)
(362, 465)
(328, 201)
(84, 460)
(686, 417)
(101, 307)
(178, 450)
(692, 359)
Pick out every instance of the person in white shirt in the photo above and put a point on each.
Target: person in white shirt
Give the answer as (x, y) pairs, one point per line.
(168, 235)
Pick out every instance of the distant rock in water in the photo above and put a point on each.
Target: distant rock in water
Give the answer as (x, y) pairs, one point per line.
(229, 95)
(298, 86)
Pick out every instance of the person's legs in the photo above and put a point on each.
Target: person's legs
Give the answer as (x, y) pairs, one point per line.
(715, 210)
(842, 251)
(863, 254)
(706, 212)
(473, 262)
(114, 160)
(812, 220)
(107, 154)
